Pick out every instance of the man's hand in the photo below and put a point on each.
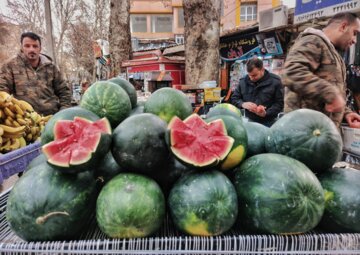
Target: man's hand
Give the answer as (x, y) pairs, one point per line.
(250, 106)
(353, 119)
(260, 110)
(337, 105)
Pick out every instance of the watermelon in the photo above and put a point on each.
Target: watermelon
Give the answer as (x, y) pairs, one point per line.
(197, 143)
(47, 135)
(107, 168)
(203, 203)
(342, 194)
(139, 143)
(308, 136)
(257, 135)
(167, 103)
(224, 109)
(79, 144)
(278, 195)
(130, 206)
(128, 87)
(236, 130)
(138, 109)
(107, 99)
(37, 161)
(46, 205)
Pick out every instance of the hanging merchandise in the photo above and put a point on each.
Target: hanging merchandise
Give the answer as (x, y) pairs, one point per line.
(102, 55)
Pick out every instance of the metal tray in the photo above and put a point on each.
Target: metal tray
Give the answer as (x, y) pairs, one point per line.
(169, 241)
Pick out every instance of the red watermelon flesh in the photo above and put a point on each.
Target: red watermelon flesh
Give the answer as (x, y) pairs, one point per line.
(198, 143)
(75, 141)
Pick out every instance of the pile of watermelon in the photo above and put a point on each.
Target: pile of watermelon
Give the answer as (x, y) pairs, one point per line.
(130, 164)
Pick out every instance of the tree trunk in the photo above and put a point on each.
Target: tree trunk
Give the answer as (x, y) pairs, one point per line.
(119, 34)
(202, 36)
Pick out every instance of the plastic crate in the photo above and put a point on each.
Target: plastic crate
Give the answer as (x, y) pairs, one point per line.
(16, 161)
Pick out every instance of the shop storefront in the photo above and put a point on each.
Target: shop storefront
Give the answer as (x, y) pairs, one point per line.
(152, 68)
(236, 49)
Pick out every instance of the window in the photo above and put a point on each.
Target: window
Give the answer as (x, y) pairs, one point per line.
(179, 39)
(181, 20)
(161, 23)
(248, 12)
(138, 23)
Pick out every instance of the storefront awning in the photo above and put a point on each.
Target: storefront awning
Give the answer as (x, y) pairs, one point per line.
(161, 76)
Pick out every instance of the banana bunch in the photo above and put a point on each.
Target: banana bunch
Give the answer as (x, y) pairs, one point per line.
(19, 123)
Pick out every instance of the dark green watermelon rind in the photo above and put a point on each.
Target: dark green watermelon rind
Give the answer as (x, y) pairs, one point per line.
(167, 103)
(130, 206)
(107, 168)
(224, 109)
(129, 89)
(342, 207)
(54, 192)
(203, 203)
(292, 135)
(109, 100)
(257, 134)
(235, 129)
(278, 195)
(47, 134)
(139, 143)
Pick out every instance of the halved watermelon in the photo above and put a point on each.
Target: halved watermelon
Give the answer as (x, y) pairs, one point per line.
(79, 144)
(197, 143)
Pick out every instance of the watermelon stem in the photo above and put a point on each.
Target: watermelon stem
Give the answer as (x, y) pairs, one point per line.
(317, 132)
(43, 219)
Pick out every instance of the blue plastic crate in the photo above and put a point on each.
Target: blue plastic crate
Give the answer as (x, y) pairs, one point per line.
(16, 161)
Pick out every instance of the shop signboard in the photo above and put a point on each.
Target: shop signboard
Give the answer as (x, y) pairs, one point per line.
(306, 10)
(240, 47)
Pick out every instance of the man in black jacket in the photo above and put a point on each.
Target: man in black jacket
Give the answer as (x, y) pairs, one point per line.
(260, 93)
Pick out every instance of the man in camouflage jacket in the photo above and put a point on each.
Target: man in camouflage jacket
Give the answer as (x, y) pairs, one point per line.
(33, 77)
(314, 72)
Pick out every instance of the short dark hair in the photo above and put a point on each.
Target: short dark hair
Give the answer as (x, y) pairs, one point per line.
(254, 63)
(343, 16)
(31, 35)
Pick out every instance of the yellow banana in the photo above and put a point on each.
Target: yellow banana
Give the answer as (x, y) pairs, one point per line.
(19, 110)
(46, 118)
(29, 137)
(4, 95)
(1, 132)
(8, 122)
(25, 106)
(2, 114)
(15, 144)
(12, 130)
(5, 146)
(9, 135)
(16, 124)
(33, 130)
(8, 112)
(22, 142)
(21, 121)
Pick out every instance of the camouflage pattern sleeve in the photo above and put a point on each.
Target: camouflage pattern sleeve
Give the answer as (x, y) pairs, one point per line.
(62, 90)
(6, 80)
(301, 65)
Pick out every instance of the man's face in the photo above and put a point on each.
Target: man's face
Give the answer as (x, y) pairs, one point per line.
(31, 48)
(349, 35)
(256, 74)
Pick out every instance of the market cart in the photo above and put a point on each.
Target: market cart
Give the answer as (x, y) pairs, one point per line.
(168, 240)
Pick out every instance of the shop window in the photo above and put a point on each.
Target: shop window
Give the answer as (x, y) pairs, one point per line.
(179, 39)
(181, 20)
(138, 23)
(248, 12)
(161, 23)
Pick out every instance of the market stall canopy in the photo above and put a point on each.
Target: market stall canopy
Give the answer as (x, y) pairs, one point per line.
(160, 76)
